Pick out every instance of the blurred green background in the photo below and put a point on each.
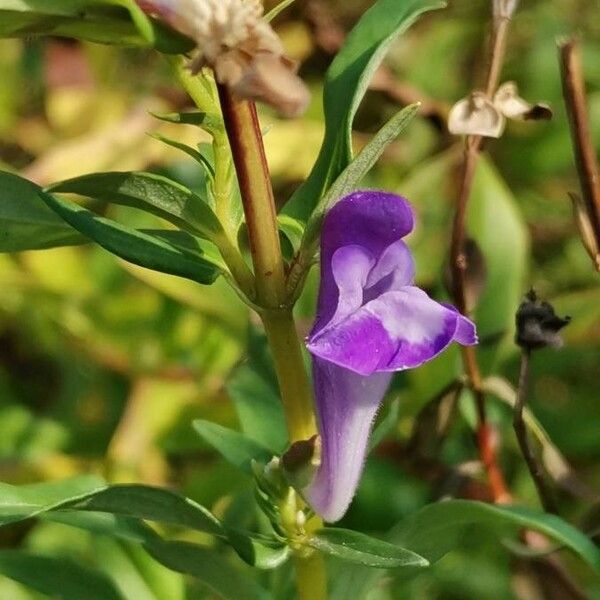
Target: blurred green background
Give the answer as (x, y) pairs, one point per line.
(103, 365)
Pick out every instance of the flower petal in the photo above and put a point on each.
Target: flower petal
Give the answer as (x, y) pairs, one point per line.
(346, 404)
(350, 266)
(399, 330)
(372, 220)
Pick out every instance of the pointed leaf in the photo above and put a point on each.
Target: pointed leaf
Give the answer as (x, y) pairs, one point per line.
(135, 246)
(152, 193)
(191, 152)
(152, 504)
(235, 447)
(94, 20)
(362, 549)
(22, 502)
(357, 169)
(437, 528)
(26, 223)
(346, 83)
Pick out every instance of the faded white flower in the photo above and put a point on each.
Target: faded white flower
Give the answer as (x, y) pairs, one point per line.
(512, 106)
(476, 115)
(240, 46)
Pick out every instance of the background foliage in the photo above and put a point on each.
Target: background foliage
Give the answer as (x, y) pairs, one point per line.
(104, 365)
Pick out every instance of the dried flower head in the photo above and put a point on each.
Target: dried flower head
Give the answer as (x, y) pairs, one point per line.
(537, 324)
(240, 46)
(476, 115)
(512, 106)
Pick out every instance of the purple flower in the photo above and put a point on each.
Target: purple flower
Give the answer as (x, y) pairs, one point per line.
(371, 321)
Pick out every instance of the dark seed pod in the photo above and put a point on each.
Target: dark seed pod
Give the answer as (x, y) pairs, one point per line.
(538, 324)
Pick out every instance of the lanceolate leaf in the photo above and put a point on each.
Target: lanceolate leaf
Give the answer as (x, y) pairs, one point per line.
(149, 192)
(436, 529)
(26, 223)
(346, 83)
(57, 577)
(22, 502)
(191, 152)
(153, 504)
(235, 447)
(356, 547)
(209, 567)
(105, 21)
(134, 246)
(351, 176)
(440, 528)
(91, 494)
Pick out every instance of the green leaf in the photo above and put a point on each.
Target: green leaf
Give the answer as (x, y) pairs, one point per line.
(22, 502)
(192, 152)
(137, 247)
(258, 408)
(292, 229)
(235, 447)
(346, 83)
(213, 123)
(91, 494)
(57, 577)
(351, 176)
(355, 547)
(438, 528)
(259, 553)
(499, 229)
(152, 504)
(99, 523)
(26, 223)
(152, 193)
(105, 21)
(210, 568)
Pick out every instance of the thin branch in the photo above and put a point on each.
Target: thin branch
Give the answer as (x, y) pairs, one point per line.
(534, 466)
(459, 265)
(585, 157)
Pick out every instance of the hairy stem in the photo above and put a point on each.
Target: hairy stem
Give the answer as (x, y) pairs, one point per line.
(534, 466)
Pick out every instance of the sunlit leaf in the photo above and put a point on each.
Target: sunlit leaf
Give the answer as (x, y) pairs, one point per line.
(152, 193)
(346, 82)
(26, 223)
(138, 247)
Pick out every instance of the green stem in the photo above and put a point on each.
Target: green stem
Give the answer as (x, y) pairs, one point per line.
(311, 577)
(294, 384)
(245, 140)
